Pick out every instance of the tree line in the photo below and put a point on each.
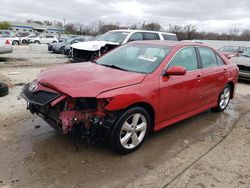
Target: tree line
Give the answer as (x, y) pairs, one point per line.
(186, 32)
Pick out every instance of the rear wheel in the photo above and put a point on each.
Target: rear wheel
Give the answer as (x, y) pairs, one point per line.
(15, 43)
(130, 130)
(223, 99)
(36, 42)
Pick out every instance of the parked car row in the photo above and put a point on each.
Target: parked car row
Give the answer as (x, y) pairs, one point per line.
(59, 47)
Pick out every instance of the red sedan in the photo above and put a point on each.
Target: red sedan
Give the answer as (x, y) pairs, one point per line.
(138, 87)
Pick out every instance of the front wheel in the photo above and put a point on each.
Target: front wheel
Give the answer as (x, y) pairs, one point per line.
(223, 100)
(130, 130)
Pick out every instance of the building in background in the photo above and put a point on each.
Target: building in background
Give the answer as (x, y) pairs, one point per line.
(17, 27)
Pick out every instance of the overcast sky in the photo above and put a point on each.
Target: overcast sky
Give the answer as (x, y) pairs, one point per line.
(207, 15)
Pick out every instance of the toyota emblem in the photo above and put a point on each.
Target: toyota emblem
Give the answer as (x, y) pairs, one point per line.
(33, 87)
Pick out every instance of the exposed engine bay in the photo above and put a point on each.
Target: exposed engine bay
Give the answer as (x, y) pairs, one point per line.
(87, 116)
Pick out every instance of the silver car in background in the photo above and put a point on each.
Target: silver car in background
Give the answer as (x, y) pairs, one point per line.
(243, 62)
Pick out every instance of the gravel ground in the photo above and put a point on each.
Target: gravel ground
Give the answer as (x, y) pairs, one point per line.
(207, 150)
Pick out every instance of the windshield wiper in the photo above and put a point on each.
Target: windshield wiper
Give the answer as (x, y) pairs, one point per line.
(114, 66)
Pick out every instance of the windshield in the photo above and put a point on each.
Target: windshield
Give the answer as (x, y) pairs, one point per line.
(229, 49)
(139, 58)
(115, 36)
(247, 53)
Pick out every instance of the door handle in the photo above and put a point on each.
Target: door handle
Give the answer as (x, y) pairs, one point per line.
(198, 77)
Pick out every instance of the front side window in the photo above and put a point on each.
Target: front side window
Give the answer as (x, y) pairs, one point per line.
(208, 57)
(115, 36)
(150, 36)
(136, 36)
(139, 58)
(186, 58)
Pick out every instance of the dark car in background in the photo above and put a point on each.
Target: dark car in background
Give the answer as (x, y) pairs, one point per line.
(243, 62)
(58, 48)
(232, 51)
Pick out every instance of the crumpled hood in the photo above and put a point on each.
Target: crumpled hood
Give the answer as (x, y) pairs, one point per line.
(241, 60)
(92, 45)
(87, 79)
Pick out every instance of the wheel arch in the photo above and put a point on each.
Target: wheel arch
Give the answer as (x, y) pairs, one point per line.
(149, 108)
(231, 84)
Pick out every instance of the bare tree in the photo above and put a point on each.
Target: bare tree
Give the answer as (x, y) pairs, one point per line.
(151, 26)
(190, 31)
(233, 33)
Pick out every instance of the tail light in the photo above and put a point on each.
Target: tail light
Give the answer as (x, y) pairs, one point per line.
(7, 42)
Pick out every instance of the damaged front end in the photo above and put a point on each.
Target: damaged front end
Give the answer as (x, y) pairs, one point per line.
(88, 51)
(86, 115)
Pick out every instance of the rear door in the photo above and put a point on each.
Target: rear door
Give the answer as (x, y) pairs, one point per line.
(214, 75)
(181, 94)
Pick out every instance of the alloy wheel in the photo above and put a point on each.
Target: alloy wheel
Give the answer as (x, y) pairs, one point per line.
(133, 131)
(224, 98)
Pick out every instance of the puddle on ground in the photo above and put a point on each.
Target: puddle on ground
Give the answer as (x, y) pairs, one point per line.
(45, 157)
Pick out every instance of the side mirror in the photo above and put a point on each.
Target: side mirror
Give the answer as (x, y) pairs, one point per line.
(175, 70)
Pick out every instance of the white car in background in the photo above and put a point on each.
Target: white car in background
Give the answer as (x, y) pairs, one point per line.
(12, 39)
(46, 39)
(5, 46)
(87, 51)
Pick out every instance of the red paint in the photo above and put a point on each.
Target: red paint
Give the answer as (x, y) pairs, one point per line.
(172, 97)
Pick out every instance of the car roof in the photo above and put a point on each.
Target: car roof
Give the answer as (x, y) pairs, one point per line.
(137, 30)
(168, 43)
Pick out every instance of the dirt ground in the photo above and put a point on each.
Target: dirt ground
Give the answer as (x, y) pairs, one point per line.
(207, 150)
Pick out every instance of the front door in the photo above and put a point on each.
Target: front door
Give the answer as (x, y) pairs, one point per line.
(181, 94)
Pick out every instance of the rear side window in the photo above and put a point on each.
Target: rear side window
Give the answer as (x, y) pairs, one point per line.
(136, 36)
(187, 58)
(208, 57)
(169, 37)
(219, 60)
(151, 36)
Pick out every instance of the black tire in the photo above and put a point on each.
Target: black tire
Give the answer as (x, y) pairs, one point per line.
(61, 49)
(36, 42)
(24, 41)
(117, 132)
(54, 42)
(4, 89)
(219, 107)
(15, 42)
